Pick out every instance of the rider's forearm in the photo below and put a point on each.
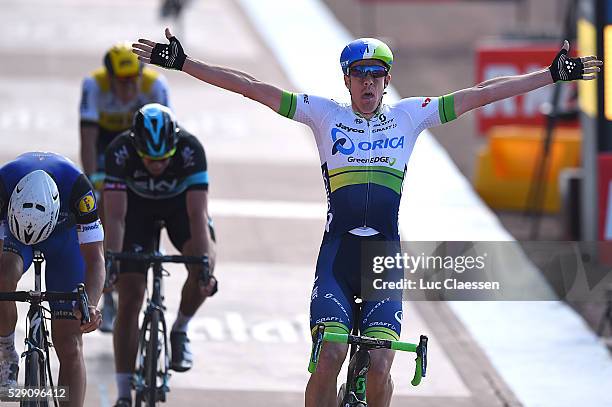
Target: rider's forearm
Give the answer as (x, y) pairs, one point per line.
(89, 138)
(200, 235)
(93, 254)
(223, 77)
(113, 230)
(504, 87)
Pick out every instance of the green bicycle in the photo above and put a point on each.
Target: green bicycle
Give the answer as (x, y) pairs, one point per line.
(353, 392)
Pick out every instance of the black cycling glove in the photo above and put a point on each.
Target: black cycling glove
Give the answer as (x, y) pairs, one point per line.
(564, 68)
(170, 56)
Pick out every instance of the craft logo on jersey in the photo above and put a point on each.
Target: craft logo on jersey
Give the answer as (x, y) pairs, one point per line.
(426, 102)
(87, 203)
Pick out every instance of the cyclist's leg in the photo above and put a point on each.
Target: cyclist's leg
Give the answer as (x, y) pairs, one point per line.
(192, 295)
(140, 235)
(15, 259)
(383, 322)
(331, 304)
(382, 318)
(177, 224)
(64, 271)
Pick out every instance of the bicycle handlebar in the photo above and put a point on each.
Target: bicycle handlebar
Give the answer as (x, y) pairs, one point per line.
(80, 296)
(156, 258)
(371, 343)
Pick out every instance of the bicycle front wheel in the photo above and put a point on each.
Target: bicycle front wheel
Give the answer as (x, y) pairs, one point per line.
(35, 376)
(151, 359)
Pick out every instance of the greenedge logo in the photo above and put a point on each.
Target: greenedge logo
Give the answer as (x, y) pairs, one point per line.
(373, 160)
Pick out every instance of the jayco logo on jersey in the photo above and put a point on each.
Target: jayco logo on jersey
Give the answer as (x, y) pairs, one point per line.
(345, 145)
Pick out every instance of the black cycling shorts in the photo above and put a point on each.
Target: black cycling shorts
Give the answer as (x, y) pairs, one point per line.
(143, 223)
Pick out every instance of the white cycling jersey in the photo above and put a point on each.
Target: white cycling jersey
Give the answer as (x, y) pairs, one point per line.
(364, 160)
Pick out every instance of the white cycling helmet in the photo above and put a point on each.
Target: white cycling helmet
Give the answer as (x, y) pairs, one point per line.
(33, 208)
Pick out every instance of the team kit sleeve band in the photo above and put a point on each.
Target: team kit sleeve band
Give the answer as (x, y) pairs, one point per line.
(446, 108)
(288, 104)
(90, 232)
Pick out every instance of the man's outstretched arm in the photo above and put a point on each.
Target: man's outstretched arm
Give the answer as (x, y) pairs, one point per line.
(562, 68)
(172, 56)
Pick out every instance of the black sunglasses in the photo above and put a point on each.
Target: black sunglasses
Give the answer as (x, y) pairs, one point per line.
(361, 71)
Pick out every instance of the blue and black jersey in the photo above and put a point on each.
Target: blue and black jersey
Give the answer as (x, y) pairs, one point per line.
(125, 170)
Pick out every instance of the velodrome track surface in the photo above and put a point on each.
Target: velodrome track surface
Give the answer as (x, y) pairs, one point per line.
(251, 340)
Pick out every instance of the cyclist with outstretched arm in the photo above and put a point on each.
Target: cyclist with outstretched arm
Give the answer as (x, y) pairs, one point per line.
(48, 205)
(364, 148)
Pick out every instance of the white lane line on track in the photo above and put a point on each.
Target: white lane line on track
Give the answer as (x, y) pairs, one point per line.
(268, 209)
(104, 400)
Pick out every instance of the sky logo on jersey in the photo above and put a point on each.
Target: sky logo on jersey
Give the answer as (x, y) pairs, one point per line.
(87, 203)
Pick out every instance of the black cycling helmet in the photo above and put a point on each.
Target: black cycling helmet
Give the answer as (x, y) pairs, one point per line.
(155, 132)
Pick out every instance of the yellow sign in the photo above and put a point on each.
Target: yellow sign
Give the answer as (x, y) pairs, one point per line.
(87, 203)
(587, 45)
(608, 71)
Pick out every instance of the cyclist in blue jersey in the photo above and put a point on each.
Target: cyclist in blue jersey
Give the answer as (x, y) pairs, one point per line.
(47, 204)
(155, 173)
(364, 147)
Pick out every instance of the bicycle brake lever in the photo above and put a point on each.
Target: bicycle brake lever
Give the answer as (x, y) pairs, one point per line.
(83, 304)
(316, 348)
(205, 273)
(423, 354)
(205, 276)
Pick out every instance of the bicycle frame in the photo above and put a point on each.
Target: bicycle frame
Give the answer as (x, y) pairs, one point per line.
(357, 377)
(37, 340)
(154, 302)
